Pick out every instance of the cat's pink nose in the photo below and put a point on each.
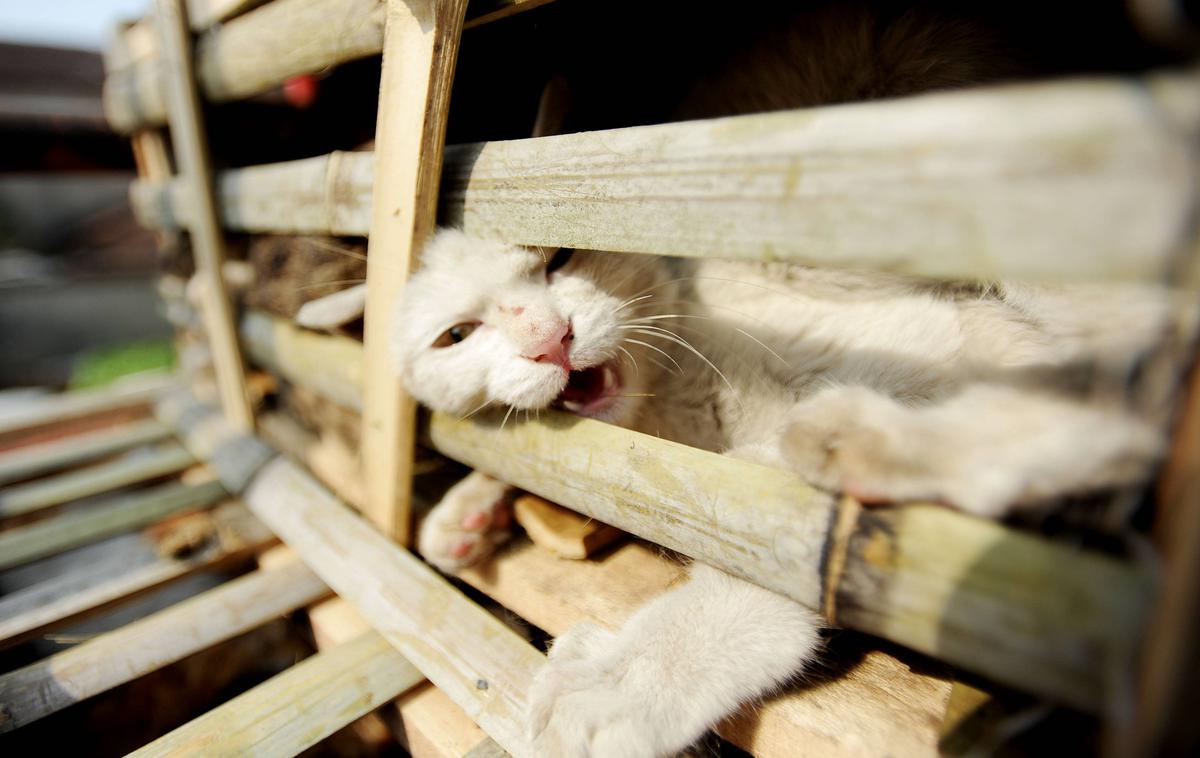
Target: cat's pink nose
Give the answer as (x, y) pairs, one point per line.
(554, 349)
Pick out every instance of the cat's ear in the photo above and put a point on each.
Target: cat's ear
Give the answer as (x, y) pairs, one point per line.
(334, 310)
(553, 108)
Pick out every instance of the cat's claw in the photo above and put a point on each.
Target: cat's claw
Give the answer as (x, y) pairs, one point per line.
(468, 524)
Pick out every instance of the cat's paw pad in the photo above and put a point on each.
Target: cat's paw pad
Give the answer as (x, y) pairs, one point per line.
(468, 524)
(584, 701)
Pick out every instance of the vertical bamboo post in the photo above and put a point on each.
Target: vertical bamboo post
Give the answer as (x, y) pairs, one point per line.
(191, 156)
(420, 48)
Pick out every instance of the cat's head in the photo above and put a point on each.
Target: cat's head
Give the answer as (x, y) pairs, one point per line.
(486, 323)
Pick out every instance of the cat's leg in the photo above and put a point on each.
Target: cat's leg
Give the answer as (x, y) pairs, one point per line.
(680, 664)
(985, 450)
(468, 523)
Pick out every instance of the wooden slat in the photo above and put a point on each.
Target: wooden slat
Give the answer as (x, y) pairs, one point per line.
(191, 155)
(453, 641)
(132, 469)
(120, 656)
(297, 708)
(420, 51)
(1067, 180)
(35, 460)
(337, 372)
(486, 12)
(49, 604)
(27, 543)
(133, 393)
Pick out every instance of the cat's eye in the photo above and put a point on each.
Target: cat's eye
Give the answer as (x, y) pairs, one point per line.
(456, 334)
(559, 260)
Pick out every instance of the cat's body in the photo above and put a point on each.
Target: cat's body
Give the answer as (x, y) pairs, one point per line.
(982, 397)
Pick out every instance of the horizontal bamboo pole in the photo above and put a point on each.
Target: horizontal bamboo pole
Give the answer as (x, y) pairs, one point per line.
(94, 480)
(298, 708)
(1037, 615)
(148, 644)
(480, 663)
(250, 54)
(54, 535)
(1067, 180)
(52, 603)
(337, 374)
(35, 460)
(130, 393)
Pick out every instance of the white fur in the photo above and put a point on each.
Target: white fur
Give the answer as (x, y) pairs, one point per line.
(891, 388)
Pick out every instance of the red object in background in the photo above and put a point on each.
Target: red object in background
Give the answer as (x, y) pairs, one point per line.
(300, 91)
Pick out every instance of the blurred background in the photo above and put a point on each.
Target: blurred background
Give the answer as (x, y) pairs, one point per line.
(77, 302)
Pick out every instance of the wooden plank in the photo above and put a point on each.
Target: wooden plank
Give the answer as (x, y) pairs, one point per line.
(74, 485)
(297, 708)
(42, 416)
(334, 369)
(453, 641)
(958, 187)
(191, 155)
(27, 543)
(120, 656)
(205, 13)
(27, 613)
(420, 51)
(35, 460)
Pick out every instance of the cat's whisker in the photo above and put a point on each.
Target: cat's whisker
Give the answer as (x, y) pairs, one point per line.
(333, 248)
(710, 305)
(657, 350)
(632, 360)
(655, 331)
(716, 279)
(486, 403)
(327, 284)
(638, 394)
(630, 302)
(505, 421)
(739, 330)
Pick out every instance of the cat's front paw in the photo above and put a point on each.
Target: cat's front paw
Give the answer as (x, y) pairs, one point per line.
(583, 703)
(472, 519)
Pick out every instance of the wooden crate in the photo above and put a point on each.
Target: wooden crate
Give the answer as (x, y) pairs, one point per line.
(400, 629)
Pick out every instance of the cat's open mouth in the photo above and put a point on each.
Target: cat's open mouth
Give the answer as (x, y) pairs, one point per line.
(591, 391)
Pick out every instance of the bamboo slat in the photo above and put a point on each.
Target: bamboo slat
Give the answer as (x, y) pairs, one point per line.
(1037, 615)
(28, 543)
(120, 656)
(132, 393)
(52, 603)
(50, 456)
(298, 708)
(73, 485)
(420, 52)
(1066, 180)
(469, 654)
(191, 156)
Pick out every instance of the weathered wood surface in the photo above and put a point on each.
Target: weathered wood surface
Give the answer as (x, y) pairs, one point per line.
(298, 708)
(110, 579)
(131, 394)
(334, 367)
(453, 641)
(1077, 179)
(326, 455)
(35, 460)
(191, 156)
(131, 469)
(1036, 615)
(120, 656)
(53, 535)
(421, 49)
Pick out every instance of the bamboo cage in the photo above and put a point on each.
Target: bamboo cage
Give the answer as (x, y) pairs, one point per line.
(1031, 181)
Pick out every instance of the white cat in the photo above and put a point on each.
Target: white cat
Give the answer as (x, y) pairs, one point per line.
(886, 387)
